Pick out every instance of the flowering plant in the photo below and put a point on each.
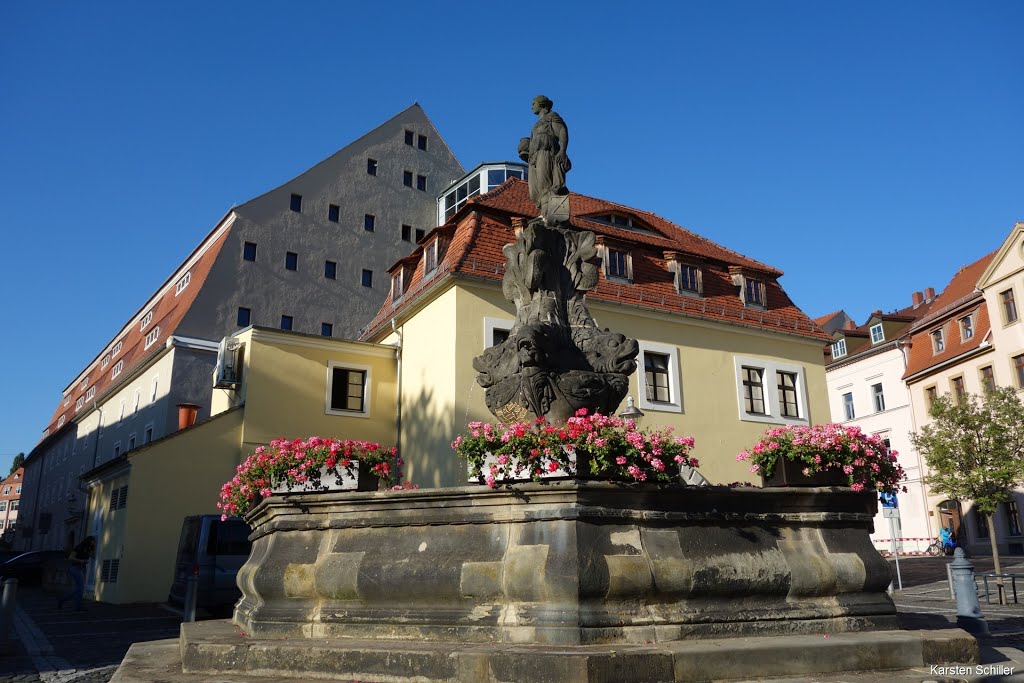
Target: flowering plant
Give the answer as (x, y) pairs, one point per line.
(864, 459)
(287, 463)
(603, 446)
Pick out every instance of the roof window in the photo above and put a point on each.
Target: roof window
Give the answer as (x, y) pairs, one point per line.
(183, 283)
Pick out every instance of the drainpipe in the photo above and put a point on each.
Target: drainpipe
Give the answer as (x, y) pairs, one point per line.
(903, 344)
(99, 427)
(398, 402)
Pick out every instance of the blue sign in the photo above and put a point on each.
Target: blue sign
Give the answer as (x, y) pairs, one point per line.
(888, 500)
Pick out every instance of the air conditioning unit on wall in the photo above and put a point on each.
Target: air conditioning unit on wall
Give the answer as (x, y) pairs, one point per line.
(229, 364)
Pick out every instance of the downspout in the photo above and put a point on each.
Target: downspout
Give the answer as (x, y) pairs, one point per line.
(398, 401)
(903, 346)
(99, 429)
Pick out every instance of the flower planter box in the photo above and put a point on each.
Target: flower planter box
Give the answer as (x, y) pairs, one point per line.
(525, 475)
(790, 473)
(336, 479)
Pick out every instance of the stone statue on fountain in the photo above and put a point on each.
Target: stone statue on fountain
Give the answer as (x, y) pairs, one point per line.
(555, 360)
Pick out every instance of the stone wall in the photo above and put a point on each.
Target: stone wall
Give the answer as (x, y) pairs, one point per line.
(564, 563)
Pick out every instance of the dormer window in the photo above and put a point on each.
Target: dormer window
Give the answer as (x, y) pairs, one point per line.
(89, 394)
(117, 369)
(966, 328)
(105, 362)
(688, 279)
(85, 384)
(146, 320)
(838, 348)
(753, 292)
(183, 283)
(430, 257)
(152, 337)
(617, 263)
(877, 333)
(938, 343)
(60, 422)
(79, 403)
(67, 401)
(398, 285)
(116, 349)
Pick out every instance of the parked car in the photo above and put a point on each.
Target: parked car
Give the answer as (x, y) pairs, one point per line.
(213, 551)
(28, 567)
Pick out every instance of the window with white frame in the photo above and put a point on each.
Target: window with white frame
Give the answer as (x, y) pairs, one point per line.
(878, 397)
(60, 422)
(147, 434)
(753, 390)
(183, 283)
(116, 349)
(67, 400)
(659, 384)
(89, 394)
(770, 391)
(117, 448)
(118, 367)
(848, 406)
(838, 348)
(79, 403)
(146, 320)
(85, 384)
(496, 331)
(788, 404)
(877, 333)
(105, 362)
(152, 337)
(131, 441)
(348, 389)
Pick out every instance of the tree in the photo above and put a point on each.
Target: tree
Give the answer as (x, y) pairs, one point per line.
(19, 460)
(975, 450)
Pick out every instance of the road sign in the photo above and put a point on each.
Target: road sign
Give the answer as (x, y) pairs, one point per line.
(890, 513)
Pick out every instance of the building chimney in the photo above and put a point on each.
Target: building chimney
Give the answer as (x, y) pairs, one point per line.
(849, 325)
(918, 298)
(187, 413)
(876, 313)
(929, 293)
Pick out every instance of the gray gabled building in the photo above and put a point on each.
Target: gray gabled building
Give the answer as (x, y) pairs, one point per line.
(310, 255)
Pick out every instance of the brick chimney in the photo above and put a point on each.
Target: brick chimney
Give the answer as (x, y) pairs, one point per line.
(929, 293)
(849, 325)
(918, 298)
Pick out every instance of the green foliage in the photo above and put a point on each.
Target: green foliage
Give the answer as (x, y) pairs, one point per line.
(975, 447)
(19, 461)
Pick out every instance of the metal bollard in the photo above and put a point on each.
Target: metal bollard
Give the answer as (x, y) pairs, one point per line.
(188, 611)
(968, 611)
(7, 603)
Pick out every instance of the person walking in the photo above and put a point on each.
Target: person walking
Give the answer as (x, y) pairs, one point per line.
(79, 559)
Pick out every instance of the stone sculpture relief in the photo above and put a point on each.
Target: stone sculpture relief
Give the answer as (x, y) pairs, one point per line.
(555, 360)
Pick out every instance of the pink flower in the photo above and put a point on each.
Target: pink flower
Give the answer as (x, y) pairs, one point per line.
(620, 460)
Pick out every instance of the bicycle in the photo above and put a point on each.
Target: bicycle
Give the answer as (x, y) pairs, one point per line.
(937, 548)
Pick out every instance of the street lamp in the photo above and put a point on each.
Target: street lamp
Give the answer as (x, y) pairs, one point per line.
(631, 412)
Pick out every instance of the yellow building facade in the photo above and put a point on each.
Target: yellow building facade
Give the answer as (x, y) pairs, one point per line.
(137, 502)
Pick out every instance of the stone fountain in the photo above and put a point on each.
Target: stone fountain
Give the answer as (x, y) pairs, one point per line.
(569, 581)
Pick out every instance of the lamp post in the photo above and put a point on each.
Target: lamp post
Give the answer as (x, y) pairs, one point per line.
(631, 412)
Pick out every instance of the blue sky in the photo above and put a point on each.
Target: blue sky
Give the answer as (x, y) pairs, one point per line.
(868, 149)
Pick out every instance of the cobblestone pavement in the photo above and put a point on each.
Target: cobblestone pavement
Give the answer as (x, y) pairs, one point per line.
(63, 646)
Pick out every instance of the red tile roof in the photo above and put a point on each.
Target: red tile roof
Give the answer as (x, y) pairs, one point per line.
(168, 311)
(484, 226)
(957, 300)
(823, 320)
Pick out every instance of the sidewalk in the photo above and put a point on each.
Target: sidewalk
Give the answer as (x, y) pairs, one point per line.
(64, 646)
